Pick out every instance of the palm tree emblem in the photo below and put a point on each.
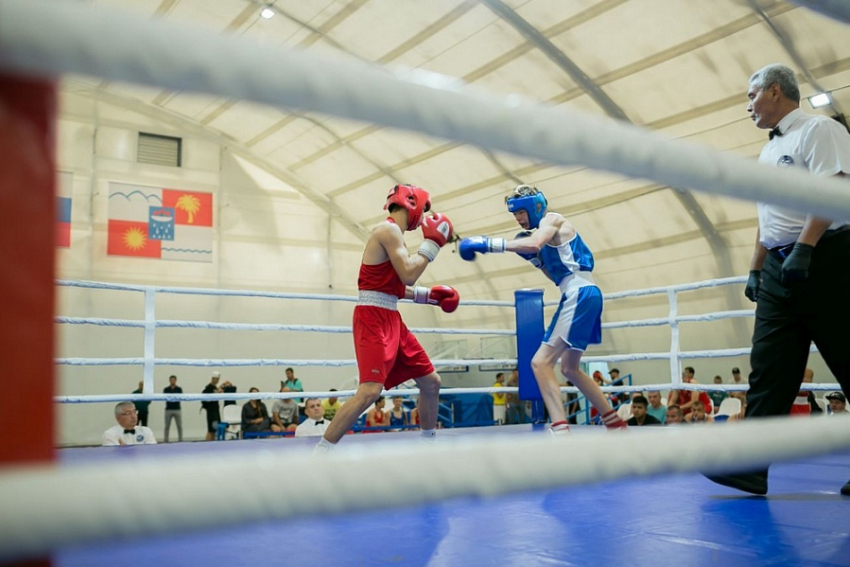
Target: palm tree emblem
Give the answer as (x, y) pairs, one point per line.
(190, 204)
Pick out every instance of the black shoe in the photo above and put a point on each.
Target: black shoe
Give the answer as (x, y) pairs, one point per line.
(754, 483)
(845, 490)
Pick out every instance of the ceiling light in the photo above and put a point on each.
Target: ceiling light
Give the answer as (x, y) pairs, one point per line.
(267, 13)
(819, 100)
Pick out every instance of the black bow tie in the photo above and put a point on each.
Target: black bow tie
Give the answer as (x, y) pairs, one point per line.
(130, 431)
(320, 421)
(775, 132)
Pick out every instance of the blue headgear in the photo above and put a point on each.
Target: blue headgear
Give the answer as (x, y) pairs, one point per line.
(529, 199)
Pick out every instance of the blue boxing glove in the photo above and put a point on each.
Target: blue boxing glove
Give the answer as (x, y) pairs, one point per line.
(534, 258)
(480, 245)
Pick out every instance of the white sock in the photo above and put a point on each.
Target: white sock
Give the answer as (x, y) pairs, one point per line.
(428, 434)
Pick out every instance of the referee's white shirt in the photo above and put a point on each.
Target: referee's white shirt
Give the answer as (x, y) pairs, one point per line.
(311, 428)
(142, 436)
(817, 143)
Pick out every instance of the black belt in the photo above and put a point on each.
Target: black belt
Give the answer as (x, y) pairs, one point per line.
(782, 252)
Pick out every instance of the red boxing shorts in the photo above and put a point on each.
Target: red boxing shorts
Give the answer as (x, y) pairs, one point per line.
(387, 352)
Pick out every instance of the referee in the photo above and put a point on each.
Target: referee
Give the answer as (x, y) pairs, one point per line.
(800, 269)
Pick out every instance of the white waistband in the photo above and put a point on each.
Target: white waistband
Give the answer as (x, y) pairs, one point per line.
(378, 299)
(575, 281)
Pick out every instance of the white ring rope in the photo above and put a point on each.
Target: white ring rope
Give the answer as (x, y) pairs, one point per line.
(44, 37)
(76, 504)
(407, 392)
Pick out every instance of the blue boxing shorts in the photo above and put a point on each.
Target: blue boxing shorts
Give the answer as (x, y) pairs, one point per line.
(578, 320)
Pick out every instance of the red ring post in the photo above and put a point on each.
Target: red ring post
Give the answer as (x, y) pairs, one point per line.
(27, 255)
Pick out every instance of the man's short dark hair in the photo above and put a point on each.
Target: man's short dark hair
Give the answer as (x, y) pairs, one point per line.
(640, 400)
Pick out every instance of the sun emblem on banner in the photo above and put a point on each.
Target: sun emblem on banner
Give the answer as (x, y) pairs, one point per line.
(190, 204)
(134, 239)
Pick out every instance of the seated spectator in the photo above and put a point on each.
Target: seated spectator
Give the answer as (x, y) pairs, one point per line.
(737, 380)
(801, 402)
(413, 418)
(656, 407)
(640, 416)
(127, 432)
(685, 399)
(314, 424)
(285, 413)
(837, 403)
(674, 415)
(698, 414)
(330, 406)
(377, 417)
(398, 415)
(717, 397)
(255, 417)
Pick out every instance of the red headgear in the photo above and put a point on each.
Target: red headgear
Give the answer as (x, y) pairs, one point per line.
(415, 200)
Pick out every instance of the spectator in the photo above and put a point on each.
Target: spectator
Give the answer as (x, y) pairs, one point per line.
(674, 415)
(737, 380)
(686, 399)
(377, 417)
(211, 407)
(293, 383)
(255, 416)
(514, 408)
(640, 416)
(413, 418)
(837, 403)
(801, 402)
(599, 379)
(622, 397)
(314, 424)
(717, 397)
(141, 406)
(699, 414)
(228, 388)
(656, 408)
(285, 412)
(330, 406)
(814, 407)
(499, 400)
(572, 405)
(127, 432)
(398, 415)
(172, 409)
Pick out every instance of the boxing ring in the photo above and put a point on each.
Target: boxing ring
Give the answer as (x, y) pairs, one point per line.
(489, 495)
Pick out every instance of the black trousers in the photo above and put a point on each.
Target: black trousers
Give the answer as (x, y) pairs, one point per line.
(789, 319)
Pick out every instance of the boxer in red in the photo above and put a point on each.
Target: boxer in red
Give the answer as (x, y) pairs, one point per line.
(387, 352)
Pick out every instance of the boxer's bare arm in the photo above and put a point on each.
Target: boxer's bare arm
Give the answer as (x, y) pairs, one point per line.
(386, 242)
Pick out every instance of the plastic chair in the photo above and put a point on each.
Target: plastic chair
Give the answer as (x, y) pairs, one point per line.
(231, 423)
(729, 406)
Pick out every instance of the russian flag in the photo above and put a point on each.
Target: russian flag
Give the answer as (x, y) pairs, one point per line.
(63, 222)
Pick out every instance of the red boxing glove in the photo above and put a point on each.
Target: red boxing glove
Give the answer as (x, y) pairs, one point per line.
(437, 230)
(444, 296)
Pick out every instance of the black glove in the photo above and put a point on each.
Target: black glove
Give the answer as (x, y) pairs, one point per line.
(753, 283)
(795, 268)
